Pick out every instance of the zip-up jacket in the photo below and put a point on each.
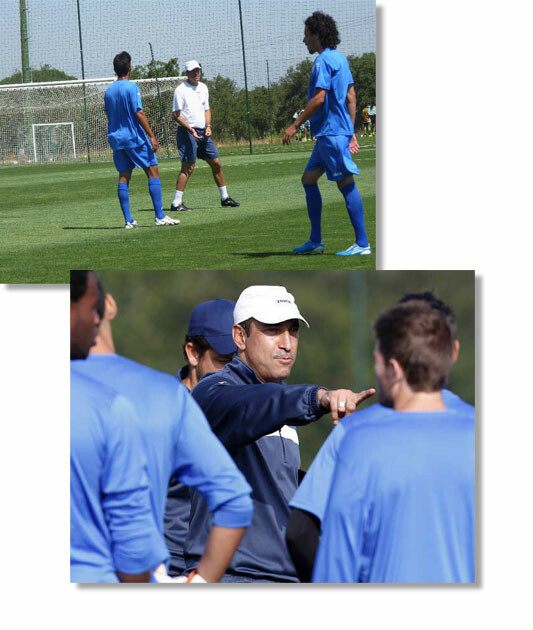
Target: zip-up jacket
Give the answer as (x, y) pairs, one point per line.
(255, 421)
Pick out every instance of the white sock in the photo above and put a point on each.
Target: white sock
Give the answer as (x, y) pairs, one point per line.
(178, 197)
(223, 192)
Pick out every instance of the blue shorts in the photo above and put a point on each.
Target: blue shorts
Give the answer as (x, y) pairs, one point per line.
(332, 154)
(140, 157)
(190, 148)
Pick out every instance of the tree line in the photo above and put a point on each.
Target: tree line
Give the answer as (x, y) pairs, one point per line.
(271, 110)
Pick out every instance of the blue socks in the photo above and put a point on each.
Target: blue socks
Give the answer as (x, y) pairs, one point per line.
(124, 199)
(354, 205)
(314, 210)
(154, 187)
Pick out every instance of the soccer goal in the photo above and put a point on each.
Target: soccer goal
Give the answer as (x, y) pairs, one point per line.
(53, 141)
(65, 120)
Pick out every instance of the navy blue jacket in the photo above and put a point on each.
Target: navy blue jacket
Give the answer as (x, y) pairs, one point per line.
(255, 421)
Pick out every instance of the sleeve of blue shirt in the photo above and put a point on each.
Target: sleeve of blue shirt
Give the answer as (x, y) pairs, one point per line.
(312, 493)
(203, 463)
(136, 543)
(346, 517)
(323, 75)
(241, 414)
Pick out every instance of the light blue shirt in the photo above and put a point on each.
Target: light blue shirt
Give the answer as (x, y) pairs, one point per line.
(402, 501)
(331, 72)
(177, 439)
(111, 523)
(312, 493)
(122, 100)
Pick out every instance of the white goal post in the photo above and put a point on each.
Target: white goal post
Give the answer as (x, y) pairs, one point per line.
(34, 126)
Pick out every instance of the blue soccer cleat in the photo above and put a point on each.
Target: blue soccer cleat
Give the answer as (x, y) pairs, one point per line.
(355, 250)
(309, 248)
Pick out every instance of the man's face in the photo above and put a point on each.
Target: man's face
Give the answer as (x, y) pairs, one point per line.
(85, 320)
(211, 361)
(383, 379)
(271, 349)
(312, 41)
(193, 76)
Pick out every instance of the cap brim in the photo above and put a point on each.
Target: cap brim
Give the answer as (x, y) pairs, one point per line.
(280, 317)
(222, 344)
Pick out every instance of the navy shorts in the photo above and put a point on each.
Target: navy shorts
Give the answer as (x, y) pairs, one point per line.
(140, 157)
(190, 148)
(332, 154)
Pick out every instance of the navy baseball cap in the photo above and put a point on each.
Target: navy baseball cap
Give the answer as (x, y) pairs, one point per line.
(214, 321)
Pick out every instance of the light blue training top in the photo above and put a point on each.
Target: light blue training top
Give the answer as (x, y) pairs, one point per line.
(331, 72)
(402, 501)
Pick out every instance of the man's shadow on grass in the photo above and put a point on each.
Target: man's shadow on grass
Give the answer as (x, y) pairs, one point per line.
(261, 254)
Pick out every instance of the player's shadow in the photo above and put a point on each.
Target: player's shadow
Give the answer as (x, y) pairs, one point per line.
(261, 254)
(101, 227)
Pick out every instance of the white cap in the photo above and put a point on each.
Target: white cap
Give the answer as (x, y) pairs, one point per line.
(266, 304)
(191, 65)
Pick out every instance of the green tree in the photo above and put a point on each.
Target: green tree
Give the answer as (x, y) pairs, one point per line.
(364, 75)
(168, 68)
(228, 109)
(45, 73)
(289, 94)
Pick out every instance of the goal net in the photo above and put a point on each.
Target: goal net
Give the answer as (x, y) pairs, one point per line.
(65, 120)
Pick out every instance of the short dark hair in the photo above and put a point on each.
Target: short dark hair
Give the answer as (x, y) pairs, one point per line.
(437, 304)
(122, 64)
(420, 339)
(325, 27)
(246, 324)
(78, 284)
(199, 342)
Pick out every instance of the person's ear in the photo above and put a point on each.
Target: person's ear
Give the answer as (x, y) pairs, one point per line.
(239, 337)
(395, 371)
(111, 308)
(456, 348)
(193, 356)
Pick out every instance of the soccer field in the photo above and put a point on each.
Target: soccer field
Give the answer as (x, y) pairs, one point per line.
(59, 217)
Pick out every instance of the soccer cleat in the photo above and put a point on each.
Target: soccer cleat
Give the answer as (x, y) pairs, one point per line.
(355, 250)
(131, 224)
(228, 202)
(181, 206)
(309, 248)
(166, 221)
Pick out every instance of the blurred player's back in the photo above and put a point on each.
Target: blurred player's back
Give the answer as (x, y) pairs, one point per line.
(401, 508)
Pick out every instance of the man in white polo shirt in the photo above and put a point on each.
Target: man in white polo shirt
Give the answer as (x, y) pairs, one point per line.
(191, 112)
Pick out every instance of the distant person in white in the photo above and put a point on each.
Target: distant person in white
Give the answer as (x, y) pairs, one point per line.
(191, 112)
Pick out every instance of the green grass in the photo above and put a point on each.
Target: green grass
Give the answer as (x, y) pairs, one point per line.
(59, 217)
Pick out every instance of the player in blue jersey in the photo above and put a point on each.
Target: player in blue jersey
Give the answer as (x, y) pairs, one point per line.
(402, 501)
(112, 532)
(331, 109)
(178, 443)
(309, 503)
(254, 414)
(208, 347)
(132, 140)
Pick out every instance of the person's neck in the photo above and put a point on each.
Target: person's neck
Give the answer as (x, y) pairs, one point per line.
(104, 340)
(408, 400)
(187, 382)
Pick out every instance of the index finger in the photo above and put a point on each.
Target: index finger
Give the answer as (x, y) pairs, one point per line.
(364, 395)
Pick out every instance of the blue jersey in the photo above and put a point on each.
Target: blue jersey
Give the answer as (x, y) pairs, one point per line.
(177, 440)
(254, 421)
(312, 493)
(122, 100)
(402, 501)
(331, 72)
(111, 523)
